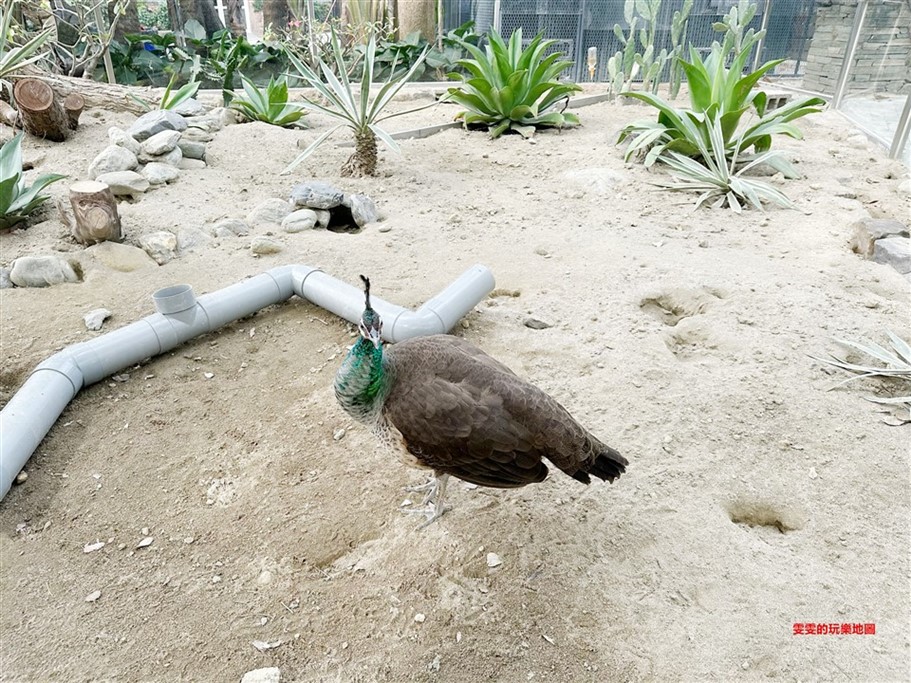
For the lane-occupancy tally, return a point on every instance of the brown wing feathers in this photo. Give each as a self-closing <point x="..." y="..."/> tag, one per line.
<point x="464" y="413"/>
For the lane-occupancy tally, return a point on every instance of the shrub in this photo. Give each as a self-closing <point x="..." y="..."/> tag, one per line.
<point x="269" y="104"/>
<point x="508" y="88"/>
<point x="18" y="200"/>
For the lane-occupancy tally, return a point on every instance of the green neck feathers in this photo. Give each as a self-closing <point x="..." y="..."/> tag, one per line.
<point x="361" y="383"/>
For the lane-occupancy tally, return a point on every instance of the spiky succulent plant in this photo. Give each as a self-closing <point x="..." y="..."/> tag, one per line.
<point x="18" y="200"/>
<point x="508" y="88"/>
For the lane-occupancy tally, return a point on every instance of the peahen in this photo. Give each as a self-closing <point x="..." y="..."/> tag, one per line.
<point x="443" y="404"/>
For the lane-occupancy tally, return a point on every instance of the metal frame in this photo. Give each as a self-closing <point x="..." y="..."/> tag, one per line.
<point x="859" y="16"/>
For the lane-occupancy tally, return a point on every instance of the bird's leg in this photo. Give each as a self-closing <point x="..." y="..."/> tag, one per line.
<point x="432" y="506"/>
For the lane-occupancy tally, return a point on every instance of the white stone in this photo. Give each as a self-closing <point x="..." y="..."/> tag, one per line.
<point x="234" y="226"/>
<point x="316" y="194"/>
<point x="112" y="158"/>
<point x="128" y="183"/>
<point x="41" y="271"/>
<point x="5" y="282"/>
<point x="95" y="319"/>
<point x="191" y="164"/>
<point x="895" y="252"/>
<point x="493" y="560"/>
<point x="192" y="238"/>
<point x="300" y="220"/>
<point x="269" y="213"/>
<point x="158" y="173"/>
<point x="161" y="143"/>
<point x="363" y="210"/>
<point x="121" y="138"/>
<point x="323" y="216"/>
<point x="120" y="257"/>
<point x="161" y="246"/>
<point x="264" y="245"/>
<point x="270" y="674"/>
<point x="156" y="121"/>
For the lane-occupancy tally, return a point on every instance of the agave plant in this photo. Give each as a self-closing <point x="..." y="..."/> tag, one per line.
<point x="360" y="111"/>
<point x="269" y="104"/>
<point x="897" y="365"/>
<point x="508" y="88"/>
<point x="719" y="90"/>
<point x="715" y="176"/>
<point x="12" y="57"/>
<point x="18" y="200"/>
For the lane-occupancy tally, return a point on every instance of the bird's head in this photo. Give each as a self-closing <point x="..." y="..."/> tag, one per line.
<point x="370" y="326"/>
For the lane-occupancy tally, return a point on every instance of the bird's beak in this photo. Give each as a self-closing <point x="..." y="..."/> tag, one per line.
<point x="376" y="337"/>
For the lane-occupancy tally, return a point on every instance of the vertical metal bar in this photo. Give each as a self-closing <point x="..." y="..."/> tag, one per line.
<point x="103" y="34"/>
<point x="496" y="16"/>
<point x="580" y="44"/>
<point x="859" y="16"/>
<point x="902" y="131"/>
<point x="761" y="44"/>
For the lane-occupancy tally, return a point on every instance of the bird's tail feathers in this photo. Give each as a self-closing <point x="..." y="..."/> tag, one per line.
<point x="607" y="465"/>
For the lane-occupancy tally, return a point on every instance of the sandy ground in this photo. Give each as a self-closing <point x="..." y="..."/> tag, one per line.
<point x="680" y="338"/>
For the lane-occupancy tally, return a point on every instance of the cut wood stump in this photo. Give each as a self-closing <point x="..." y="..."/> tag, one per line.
<point x="95" y="217"/>
<point x="73" y="106"/>
<point x="41" y="110"/>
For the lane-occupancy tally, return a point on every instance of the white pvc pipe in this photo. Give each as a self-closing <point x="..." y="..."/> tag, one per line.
<point x="32" y="411"/>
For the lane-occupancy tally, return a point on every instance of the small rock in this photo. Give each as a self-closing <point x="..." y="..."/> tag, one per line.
<point x="122" y="183"/>
<point x="493" y="560"/>
<point x="154" y="122"/>
<point x="420" y="618"/>
<point x="93" y="596"/>
<point x="536" y="324"/>
<point x="120" y="257"/>
<point x="270" y="674"/>
<point x="95" y="319"/>
<point x="121" y="138"/>
<point x="188" y="540"/>
<point x="895" y="252"/>
<point x="92" y="547"/>
<point x="363" y="210"/>
<point x="190" y="107"/>
<point x="384" y="228"/>
<point x="813" y="474"/>
<point x="5" y="282"/>
<point x="192" y="149"/>
<point x="189" y="239"/>
<point x="146" y="542"/>
<point x="158" y="173"/>
<point x="264" y="646"/>
<point x="323" y="216"/>
<point x="216" y="579"/>
<point x="208" y="375"/>
<point x="21" y="478"/>
<point x="197" y="135"/>
<point x="316" y="195"/>
<point x="868" y="230"/>
<point x="300" y="220"/>
<point x="161" y="143"/>
<point x="338" y="434"/>
<point x="263" y="246"/>
<point x="172" y="158"/>
<point x="161" y="246"/>
<point x="41" y="271"/>
<point x="111" y="159"/>
<point x="269" y="213"/>
<point x="191" y="164"/>
<point x="265" y="577"/>
<point x="231" y="227"/>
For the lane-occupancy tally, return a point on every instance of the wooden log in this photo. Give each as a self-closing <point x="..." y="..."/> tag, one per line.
<point x="73" y="106"/>
<point x="9" y="116"/>
<point x="41" y="110"/>
<point x="95" y="95"/>
<point x="95" y="216"/>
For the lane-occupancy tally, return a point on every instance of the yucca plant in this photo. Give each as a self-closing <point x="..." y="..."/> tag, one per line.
<point x="18" y="200"/>
<point x="360" y="111"/>
<point x="14" y="57"/>
<point x="170" y="98"/>
<point x="269" y="104"/>
<point x="897" y="365"/>
<point x="508" y="88"/>
<point x="715" y="176"/>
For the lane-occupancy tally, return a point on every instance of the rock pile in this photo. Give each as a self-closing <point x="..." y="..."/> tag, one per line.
<point x="885" y="241"/>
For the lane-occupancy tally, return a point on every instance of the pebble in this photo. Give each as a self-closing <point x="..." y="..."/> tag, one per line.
<point x="384" y="228"/>
<point x="21" y="477"/>
<point x="191" y="164"/>
<point x="208" y="375"/>
<point x="536" y="324"/>
<point x="95" y="319"/>
<point x="420" y="618"/>
<point x="146" y="542"/>
<point x="93" y="596"/>
<point x="269" y="674"/>
<point x="92" y="547"/>
<point x="493" y="560"/>
<point x="161" y="245"/>
<point x="813" y="474"/>
<point x="338" y="434"/>
<point x="188" y="540"/>
<point x="263" y="246"/>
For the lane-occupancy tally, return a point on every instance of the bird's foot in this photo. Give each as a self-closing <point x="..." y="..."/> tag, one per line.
<point x="430" y="511"/>
<point x="432" y="507"/>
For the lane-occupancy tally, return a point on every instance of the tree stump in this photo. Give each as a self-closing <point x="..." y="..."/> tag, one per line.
<point x="73" y="106"/>
<point x="41" y="110"/>
<point x="94" y="212"/>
